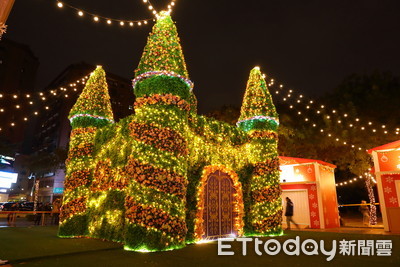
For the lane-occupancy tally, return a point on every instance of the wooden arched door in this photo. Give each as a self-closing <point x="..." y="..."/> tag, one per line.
<point x="218" y="212"/>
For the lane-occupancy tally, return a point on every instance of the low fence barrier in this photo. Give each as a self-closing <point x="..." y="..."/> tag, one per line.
<point x="12" y="219"/>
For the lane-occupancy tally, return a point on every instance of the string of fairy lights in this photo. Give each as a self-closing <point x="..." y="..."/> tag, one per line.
<point x="170" y="6"/>
<point x="352" y="123"/>
<point x="354" y="180"/>
<point x="323" y="110"/>
<point x="110" y="21"/>
<point x="39" y="100"/>
<point x="99" y="18"/>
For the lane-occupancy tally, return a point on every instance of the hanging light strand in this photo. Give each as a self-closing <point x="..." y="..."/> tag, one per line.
<point x="107" y="20"/>
<point x="366" y="177"/>
<point x="322" y="130"/>
<point x="43" y="94"/>
<point x="42" y="100"/>
<point x="289" y="98"/>
<point x="151" y="8"/>
<point x="323" y="109"/>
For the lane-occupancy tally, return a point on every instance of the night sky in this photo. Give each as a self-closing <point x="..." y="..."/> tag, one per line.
<point x="308" y="45"/>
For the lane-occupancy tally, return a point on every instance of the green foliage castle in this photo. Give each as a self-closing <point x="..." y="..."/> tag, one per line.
<point x="165" y="176"/>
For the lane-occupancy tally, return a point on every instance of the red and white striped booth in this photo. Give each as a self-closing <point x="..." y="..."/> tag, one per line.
<point x="310" y="184"/>
<point x="387" y="171"/>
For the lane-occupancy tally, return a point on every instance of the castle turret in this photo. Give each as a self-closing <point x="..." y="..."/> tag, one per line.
<point x="259" y="119"/>
<point x="91" y="111"/>
<point x="157" y="170"/>
<point x="258" y="111"/>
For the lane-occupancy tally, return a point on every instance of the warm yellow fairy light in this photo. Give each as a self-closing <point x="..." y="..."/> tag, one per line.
<point x="80" y="13"/>
<point x="108" y="21"/>
<point x="122" y="23"/>
<point x="60" y="5"/>
<point x="96" y="18"/>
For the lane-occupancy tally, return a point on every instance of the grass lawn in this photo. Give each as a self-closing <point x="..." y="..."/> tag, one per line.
<point x="39" y="246"/>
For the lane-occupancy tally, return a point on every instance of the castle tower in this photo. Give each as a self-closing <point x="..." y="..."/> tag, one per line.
<point x="258" y="117"/>
<point x="157" y="170"/>
<point x="91" y="111"/>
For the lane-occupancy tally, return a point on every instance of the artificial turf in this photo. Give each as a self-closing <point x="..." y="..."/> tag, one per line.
<point x="39" y="246"/>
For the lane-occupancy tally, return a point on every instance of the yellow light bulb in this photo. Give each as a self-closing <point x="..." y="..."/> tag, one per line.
<point x="60" y="5"/>
<point x="80" y="13"/>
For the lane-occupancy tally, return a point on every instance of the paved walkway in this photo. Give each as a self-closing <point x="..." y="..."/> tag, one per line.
<point x="39" y="246"/>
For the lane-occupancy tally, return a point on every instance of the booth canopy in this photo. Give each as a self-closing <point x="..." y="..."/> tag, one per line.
<point x="390" y="146"/>
<point x="293" y="161"/>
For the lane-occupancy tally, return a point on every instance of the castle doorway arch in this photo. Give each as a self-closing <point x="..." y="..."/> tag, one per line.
<point x="219" y="202"/>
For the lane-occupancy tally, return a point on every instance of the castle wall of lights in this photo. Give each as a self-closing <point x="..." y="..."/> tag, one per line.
<point x="150" y="180"/>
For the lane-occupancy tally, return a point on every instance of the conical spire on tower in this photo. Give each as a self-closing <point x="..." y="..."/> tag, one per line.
<point x="163" y="53"/>
<point x="257" y="107"/>
<point x="94" y="101"/>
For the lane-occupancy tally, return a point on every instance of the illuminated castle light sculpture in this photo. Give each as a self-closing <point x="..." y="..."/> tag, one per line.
<point x="165" y="176"/>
